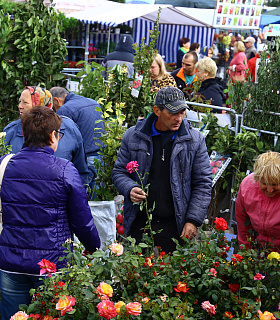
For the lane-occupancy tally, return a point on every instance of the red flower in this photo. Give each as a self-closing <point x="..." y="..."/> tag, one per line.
<point x="181" y="287"/>
<point x="132" y="166"/>
<point x="236" y="257"/>
<point x="228" y="315"/>
<point x="217" y="264"/>
<point x="233" y="287"/>
<point x="47" y="266"/>
<point x="220" y="224"/>
<point x="106" y="309"/>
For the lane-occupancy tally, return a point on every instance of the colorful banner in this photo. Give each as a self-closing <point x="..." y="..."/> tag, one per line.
<point x="238" y="14"/>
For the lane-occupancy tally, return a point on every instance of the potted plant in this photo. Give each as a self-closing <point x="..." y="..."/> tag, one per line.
<point x="73" y="29"/>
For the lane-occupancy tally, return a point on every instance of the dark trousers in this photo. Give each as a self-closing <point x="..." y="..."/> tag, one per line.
<point x="162" y="239"/>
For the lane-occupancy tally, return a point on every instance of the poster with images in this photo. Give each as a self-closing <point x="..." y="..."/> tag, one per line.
<point x="218" y="163"/>
<point x="238" y="14"/>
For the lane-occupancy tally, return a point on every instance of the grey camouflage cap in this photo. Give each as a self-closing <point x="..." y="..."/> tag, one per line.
<point x="172" y="99"/>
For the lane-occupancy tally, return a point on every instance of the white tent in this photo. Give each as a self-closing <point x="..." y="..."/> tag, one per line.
<point x="173" y="24"/>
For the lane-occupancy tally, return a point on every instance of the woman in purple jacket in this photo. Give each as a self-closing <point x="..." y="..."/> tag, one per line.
<point x="44" y="203"/>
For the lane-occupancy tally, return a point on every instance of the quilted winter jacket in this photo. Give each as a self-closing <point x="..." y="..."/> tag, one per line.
<point x="263" y="212"/>
<point x="190" y="171"/>
<point x="43" y="202"/>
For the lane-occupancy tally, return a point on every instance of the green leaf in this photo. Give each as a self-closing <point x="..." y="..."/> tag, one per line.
<point x="58" y="76"/>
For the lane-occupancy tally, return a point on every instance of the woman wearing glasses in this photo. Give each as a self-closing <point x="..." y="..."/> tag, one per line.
<point x="44" y="203"/>
<point x="71" y="146"/>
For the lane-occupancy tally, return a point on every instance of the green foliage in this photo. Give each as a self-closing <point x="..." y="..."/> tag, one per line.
<point x="238" y="93"/>
<point x="265" y="96"/>
<point x="118" y="88"/>
<point x="201" y="267"/>
<point x="3" y="148"/>
<point x="32" y="51"/>
<point x="111" y="139"/>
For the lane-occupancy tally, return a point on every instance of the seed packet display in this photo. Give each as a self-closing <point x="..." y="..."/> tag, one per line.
<point x="137" y="85"/>
<point x="220" y="9"/>
<point x="218" y="164"/>
<point x="218" y="20"/>
<point x="225" y="9"/>
<point x="224" y="21"/>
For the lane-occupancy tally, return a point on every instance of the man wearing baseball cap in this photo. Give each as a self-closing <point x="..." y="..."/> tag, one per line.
<point x="250" y="48"/>
<point x="174" y="154"/>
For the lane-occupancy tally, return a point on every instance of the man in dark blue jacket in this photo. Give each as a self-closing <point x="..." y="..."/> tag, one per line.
<point x="180" y="177"/>
<point x="82" y="111"/>
<point x="124" y="53"/>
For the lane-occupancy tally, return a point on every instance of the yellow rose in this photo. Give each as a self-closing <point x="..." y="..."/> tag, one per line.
<point x="274" y="255"/>
<point x="105" y="289"/>
<point x="118" y="306"/>
<point x="266" y="315"/>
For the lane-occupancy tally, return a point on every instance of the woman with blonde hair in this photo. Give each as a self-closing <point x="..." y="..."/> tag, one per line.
<point x="210" y="89"/>
<point x="238" y="64"/>
<point x="258" y="203"/>
<point x="159" y="76"/>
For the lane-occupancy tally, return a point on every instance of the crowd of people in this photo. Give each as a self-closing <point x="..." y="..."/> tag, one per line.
<point x="44" y="189"/>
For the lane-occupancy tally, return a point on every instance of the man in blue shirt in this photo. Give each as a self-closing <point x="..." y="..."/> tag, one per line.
<point x="82" y="111"/>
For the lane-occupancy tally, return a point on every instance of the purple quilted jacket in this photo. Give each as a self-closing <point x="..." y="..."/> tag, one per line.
<point x="44" y="203"/>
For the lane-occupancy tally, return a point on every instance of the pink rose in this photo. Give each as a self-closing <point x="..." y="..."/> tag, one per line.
<point x="47" y="266"/>
<point x="214" y="272"/>
<point x="209" y="308"/>
<point x="218" y="163"/>
<point x="106" y="309"/>
<point x="212" y="163"/>
<point x="259" y="276"/>
<point x="117" y="249"/>
<point x="132" y="166"/>
<point x="215" y="170"/>
<point x="21" y="315"/>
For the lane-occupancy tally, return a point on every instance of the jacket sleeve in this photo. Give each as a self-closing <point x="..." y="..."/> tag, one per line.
<point x="79" y="156"/>
<point x="80" y="217"/>
<point x="241" y="217"/>
<point x="201" y="185"/>
<point x="121" y="178"/>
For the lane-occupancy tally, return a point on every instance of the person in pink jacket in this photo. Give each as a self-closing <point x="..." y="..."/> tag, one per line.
<point x="258" y="199"/>
<point x="238" y="64"/>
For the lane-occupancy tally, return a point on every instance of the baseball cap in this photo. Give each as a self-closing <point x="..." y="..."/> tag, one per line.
<point x="171" y="98"/>
<point x="250" y="39"/>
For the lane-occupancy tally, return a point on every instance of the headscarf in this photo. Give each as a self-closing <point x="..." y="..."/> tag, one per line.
<point x="40" y="97"/>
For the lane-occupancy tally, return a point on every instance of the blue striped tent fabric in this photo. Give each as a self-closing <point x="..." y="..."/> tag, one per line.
<point x="169" y="36"/>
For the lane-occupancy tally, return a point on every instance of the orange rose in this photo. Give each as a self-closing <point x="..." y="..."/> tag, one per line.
<point x="181" y="287"/>
<point x="266" y="315"/>
<point x="65" y="304"/>
<point x="133" y="308"/>
<point x="118" y="306"/>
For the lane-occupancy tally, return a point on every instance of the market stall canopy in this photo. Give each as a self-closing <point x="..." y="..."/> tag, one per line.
<point x="207" y="4"/>
<point x="275" y="12"/>
<point x="113" y="13"/>
<point x="266" y="20"/>
<point x="205" y="15"/>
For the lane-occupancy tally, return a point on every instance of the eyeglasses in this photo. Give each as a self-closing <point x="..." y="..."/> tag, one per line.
<point x="61" y="134"/>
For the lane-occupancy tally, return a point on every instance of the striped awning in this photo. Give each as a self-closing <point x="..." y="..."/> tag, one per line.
<point x="114" y="13"/>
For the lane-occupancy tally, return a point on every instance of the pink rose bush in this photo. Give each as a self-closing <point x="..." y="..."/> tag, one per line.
<point x="209" y="308"/>
<point x="47" y="267"/>
<point x="107" y="309"/>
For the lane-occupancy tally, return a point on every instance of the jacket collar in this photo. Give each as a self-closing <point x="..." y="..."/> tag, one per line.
<point x="45" y="149"/>
<point x="145" y="127"/>
<point x="69" y="96"/>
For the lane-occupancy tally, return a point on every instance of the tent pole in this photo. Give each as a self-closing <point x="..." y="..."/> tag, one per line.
<point x="87" y="42"/>
<point x="109" y="37"/>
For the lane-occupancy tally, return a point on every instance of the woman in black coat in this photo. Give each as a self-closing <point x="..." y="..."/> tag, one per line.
<point x="210" y="88"/>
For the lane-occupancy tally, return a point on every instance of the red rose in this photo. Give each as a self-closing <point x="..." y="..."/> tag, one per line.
<point x="233" y="287"/>
<point x="220" y="224"/>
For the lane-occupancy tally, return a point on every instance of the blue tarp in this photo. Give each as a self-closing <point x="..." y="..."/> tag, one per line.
<point x="266" y="19"/>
